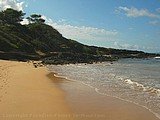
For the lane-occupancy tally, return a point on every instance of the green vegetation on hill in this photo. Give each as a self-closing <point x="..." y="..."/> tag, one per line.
<point x="38" y="40"/>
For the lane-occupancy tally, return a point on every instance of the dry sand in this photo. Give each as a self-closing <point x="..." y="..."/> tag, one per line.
<point x="27" y="93"/>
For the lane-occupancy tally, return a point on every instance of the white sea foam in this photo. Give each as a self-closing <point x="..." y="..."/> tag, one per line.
<point x="60" y="76"/>
<point x="156" y="114"/>
<point x="139" y="86"/>
<point x="158" y="57"/>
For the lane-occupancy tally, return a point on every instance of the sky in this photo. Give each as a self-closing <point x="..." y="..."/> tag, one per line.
<point x="122" y="24"/>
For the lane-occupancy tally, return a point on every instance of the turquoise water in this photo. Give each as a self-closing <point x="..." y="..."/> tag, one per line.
<point x="131" y="80"/>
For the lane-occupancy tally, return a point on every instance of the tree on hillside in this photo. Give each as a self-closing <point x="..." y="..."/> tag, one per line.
<point x="34" y="18"/>
<point x="11" y="16"/>
<point x="29" y="19"/>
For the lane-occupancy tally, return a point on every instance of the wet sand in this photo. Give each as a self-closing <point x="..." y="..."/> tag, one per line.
<point x="86" y="104"/>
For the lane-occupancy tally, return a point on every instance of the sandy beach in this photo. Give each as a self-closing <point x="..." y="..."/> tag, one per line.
<point x="30" y="93"/>
<point x="27" y="93"/>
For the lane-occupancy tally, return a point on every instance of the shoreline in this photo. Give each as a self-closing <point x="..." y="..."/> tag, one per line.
<point x="146" y="111"/>
<point x="35" y="93"/>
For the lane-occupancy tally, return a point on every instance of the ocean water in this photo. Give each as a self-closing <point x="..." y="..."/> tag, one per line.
<point x="131" y="80"/>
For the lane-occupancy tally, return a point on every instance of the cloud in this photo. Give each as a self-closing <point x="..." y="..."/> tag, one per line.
<point x="130" y="28"/>
<point x="135" y="47"/>
<point x="126" y="46"/>
<point x="15" y="4"/>
<point x="150" y="48"/>
<point x="158" y="10"/>
<point x="24" y="22"/>
<point x="82" y="32"/>
<point x="154" y="22"/>
<point x="134" y="12"/>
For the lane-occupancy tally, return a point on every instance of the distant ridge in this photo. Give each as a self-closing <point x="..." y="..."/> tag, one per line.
<point x="39" y="41"/>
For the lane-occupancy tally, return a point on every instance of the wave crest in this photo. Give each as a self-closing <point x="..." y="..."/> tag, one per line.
<point x="139" y="86"/>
